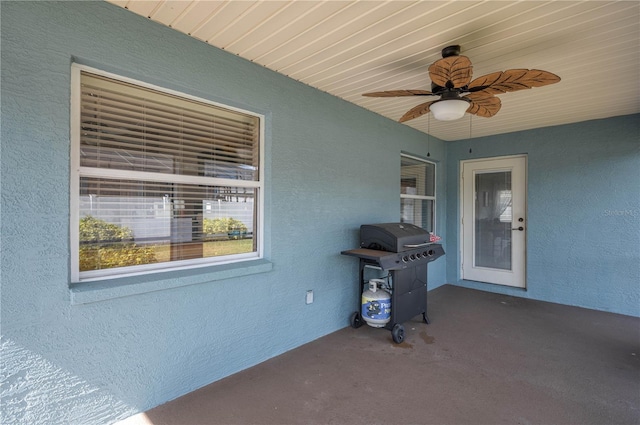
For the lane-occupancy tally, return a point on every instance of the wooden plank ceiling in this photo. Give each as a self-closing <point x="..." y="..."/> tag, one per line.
<point x="347" y="48"/>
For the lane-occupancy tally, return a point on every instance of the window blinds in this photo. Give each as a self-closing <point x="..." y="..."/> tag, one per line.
<point x="128" y="127"/>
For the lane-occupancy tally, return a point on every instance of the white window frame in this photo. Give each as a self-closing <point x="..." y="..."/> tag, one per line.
<point x="77" y="172"/>
<point x="422" y="197"/>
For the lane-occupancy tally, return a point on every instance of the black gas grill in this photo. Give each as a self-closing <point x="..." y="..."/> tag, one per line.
<point x="404" y="251"/>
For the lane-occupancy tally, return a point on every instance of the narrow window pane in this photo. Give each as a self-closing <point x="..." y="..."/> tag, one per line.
<point x="418" y="212"/>
<point x="417" y="192"/>
<point x="417" y="177"/>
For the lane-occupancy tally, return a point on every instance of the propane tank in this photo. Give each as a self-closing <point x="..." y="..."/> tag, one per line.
<point x="376" y="304"/>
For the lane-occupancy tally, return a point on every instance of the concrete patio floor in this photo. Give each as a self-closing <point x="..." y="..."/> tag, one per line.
<point x="484" y="359"/>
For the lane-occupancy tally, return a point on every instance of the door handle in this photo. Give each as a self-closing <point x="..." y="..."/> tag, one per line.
<point x="519" y="228"/>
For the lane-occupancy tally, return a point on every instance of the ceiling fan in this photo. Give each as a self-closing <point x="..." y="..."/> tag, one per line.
<point x="451" y="82"/>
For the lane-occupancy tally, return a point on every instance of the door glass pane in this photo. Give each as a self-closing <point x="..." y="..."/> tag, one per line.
<point x="493" y="220"/>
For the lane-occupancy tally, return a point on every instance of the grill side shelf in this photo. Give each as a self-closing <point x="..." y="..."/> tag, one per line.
<point x="386" y="260"/>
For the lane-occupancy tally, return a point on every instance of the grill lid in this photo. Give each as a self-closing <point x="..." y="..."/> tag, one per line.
<point x="393" y="237"/>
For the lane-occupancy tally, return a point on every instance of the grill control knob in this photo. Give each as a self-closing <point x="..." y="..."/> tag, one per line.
<point x="413" y="257"/>
<point x="405" y="259"/>
<point x="430" y="253"/>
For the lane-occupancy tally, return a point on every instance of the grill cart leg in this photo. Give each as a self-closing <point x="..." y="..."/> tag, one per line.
<point x="425" y="318"/>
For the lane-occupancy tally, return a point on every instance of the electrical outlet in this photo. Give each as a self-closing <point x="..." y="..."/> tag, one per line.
<point x="309" y="297"/>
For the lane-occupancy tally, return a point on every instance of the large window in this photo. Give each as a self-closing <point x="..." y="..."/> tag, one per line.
<point x="159" y="179"/>
<point x="418" y="192"/>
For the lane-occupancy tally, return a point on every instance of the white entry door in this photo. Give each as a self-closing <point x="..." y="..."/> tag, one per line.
<point x="494" y="221"/>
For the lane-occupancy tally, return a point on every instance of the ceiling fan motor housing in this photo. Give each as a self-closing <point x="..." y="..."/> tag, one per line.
<point x="451" y="51"/>
<point x="452" y="95"/>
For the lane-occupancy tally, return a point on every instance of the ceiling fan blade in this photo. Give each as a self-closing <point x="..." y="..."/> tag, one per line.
<point x="483" y="105"/>
<point x="416" y="111"/>
<point x="513" y="80"/>
<point x="398" y="93"/>
<point x="485" y="81"/>
<point x="456" y="69"/>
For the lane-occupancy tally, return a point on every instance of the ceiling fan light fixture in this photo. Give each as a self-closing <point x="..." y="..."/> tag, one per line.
<point x="449" y="110"/>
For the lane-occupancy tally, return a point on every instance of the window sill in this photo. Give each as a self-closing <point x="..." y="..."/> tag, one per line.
<point x="89" y="292"/>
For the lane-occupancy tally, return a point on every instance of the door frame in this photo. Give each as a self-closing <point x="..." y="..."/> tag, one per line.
<point x="461" y="215"/>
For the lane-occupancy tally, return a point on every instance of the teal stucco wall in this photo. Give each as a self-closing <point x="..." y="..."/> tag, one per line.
<point x="583" y="221"/>
<point x="101" y="353"/>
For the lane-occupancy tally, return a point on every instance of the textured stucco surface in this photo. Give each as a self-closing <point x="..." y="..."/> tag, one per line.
<point x="583" y="224"/>
<point x="70" y="358"/>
